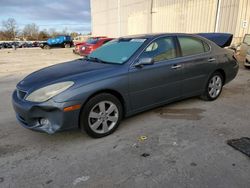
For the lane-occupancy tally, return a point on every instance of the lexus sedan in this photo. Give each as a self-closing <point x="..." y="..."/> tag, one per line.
<point x="125" y="76"/>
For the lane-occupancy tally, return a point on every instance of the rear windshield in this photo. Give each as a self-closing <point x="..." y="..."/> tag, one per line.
<point x="117" y="51"/>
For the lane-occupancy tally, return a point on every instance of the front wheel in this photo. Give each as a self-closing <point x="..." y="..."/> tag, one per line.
<point x="101" y="115"/>
<point x="213" y="87"/>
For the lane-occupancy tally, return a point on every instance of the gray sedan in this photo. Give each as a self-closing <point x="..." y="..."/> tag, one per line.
<point x="125" y="76"/>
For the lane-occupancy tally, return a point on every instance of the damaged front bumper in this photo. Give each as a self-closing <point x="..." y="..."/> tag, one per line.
<point x="48" y="117"/>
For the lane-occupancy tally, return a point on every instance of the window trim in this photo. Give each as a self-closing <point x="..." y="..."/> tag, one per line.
<point x="196" y="38"/>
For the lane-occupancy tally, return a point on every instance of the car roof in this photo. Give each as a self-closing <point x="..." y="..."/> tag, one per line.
<point x="106" y="38"/>
<point x="155" y="35"/>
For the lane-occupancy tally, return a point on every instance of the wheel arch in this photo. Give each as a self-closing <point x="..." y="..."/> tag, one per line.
<point x="222" y="72"/>
<point x="113" y="92"/>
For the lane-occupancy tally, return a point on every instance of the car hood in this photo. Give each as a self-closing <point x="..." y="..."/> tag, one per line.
<point x="79" y="71"/>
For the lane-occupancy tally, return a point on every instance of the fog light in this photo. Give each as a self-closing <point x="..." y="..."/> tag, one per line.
<point x="44" y="121"/>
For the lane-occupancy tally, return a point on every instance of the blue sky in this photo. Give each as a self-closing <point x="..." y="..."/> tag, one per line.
<point x="59" y="14"/>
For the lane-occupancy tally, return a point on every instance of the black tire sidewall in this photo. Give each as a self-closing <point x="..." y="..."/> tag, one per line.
<point x="46" y="47"/>
<point x="66" y="45"/>
<point x="84" y="124"/>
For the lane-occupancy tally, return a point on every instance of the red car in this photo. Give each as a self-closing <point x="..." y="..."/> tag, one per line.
<point x="78" y="46"/>
<point x="92" y="44"/>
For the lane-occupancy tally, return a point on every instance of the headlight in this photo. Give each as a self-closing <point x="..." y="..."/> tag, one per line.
<point x="46" y="93"/>
<point x="83" y="48"/>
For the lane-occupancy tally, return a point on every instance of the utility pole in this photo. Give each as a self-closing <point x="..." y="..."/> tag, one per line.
<point x="150" y="19"/>
<point x="119" y="17"/>
<point x="217" y="19"/>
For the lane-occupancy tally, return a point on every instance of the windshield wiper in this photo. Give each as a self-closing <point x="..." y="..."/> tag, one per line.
<point x="95" y="59"/>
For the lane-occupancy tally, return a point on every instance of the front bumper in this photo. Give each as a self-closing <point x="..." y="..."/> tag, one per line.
<point x="46" y="117"/>
<point x="84" y="52"/>
<point x="76" y="51"/>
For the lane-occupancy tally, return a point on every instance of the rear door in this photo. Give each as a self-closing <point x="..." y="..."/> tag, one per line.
<point x="160" y="82"/>
<point x="197" y="63"/>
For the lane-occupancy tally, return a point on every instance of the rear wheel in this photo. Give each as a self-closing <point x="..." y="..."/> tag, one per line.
<point x="66" y="45"/>
<point x="101" y="115"/>
<point x="213" y="87"/>
<point x="46" y="47"/>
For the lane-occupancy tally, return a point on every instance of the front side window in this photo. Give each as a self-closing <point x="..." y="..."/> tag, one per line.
<point x="117" y="51"/>
<point x="161" y="49"/>
<point x="191" y="46"/>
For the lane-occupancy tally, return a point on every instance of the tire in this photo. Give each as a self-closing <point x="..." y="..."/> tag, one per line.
<point x="213" y="87"/>
<point x="66" y="45"/>
<point x="46" y="47"/>
<point x="106" y="112"/>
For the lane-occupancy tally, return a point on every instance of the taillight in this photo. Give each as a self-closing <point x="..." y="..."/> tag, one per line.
<point x="235" y="59"/>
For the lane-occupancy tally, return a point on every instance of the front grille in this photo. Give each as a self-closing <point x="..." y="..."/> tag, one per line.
<point x="21" y="94"/>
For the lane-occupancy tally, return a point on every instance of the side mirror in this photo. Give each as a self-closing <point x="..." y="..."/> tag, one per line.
<point x="144" y="61"/>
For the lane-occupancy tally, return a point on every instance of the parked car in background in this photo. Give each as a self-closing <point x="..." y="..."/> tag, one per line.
<point x="20" y="44"/>
<point x="63" y="41"/>
<point x="6" y="45"/>
<point x="77" y="47"/>
<point x="80" y="39"/>
<point x="124" y="77"/>
<point x="92" y="44"/>
<point x="245" y="50"/>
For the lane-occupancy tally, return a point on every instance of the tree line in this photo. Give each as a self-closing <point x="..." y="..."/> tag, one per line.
<point x="30" y="32"/>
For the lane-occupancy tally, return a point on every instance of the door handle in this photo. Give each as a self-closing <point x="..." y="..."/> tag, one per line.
<point x="176" y="67"/>
<point x="211" y="59"/>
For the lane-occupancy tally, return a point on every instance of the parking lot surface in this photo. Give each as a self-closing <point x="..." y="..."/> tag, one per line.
<point x="184" y="143"/>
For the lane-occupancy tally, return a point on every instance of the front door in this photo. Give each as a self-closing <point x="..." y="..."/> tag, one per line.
<point x="160" y="82"/>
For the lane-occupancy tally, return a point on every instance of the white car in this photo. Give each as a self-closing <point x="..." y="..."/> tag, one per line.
<point x="245" y="50"/>
<point x="247" y="62"/>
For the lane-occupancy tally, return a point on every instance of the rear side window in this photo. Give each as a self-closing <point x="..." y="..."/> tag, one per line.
<point x="192" y="46"/>
<point x="161" y="49"/>
<point x="206" y="47"/>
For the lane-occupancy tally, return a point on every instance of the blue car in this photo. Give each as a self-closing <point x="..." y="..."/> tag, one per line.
<point x="126" y="76"/>
<point x="63" y="41"/>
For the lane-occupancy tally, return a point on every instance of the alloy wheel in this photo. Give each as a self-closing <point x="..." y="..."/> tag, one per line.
<point x="103" y="117"/>
<point x="215" y="86"/>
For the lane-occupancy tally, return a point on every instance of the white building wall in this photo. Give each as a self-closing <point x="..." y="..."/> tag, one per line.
<point x="116" y="18"/>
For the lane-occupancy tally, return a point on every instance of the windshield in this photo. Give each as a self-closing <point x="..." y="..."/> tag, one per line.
<point x="117" y="51"/>
<point x="92" y="40"/>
